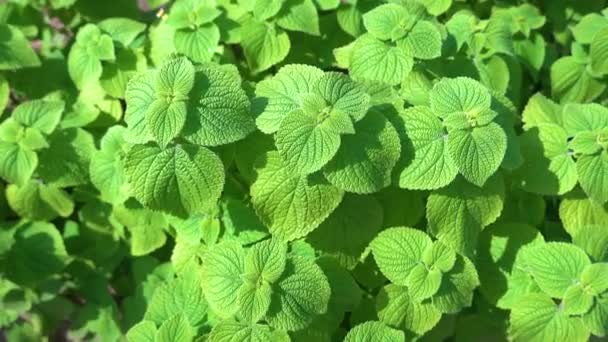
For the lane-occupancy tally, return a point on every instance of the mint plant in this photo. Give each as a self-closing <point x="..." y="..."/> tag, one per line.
<point x="303" y="170"/>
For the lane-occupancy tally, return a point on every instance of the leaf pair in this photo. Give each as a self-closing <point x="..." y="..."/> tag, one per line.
<point x="561" y="271"/>
<point x="23" y="134"/>
<point x="396" y="35"/>
<point x="427" y="278"/>
<point x="264" y="36"/>
<point x="456" y="134"/>
<point x="264" y="283"/>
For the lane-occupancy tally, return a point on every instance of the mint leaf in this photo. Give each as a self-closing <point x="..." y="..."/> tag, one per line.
<point x="555" y="266"/>
<point x="397" y="251"/>
<point x="365" y="160"/>
<point x="536" y="318"/>
<point x="375" y="60"/>
<point x="180" y="180"/>
<point x="283" y="93"/>
<point x="291" y="205"/>
<point x="373" y="331"/>
<point x="457" y="213"/>
<point x="221" y="276"/>
<point x="425" y="162"/>
<point x="397" y="309"/>
<point x="301" y="293"/>
<point x="16" y="50"/>
<point x="264" y="45"/>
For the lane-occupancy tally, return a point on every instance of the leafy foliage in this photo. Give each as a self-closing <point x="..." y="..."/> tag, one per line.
<point x="303" y="170"/>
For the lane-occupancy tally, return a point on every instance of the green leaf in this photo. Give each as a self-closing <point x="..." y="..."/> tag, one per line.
<point x="16" y="49"/>
<point x="349" y="229"/>
<point x="17" y="163"/>
<point x="38" y="253"/>
<point x="384" y="19"/>
<point x="595" y="319"/>
<point x="577" y="211"/>
<point x="122" y="30"/>
<point x="39" y="202"/>
<point x="139" y="95"/>
<point x="180" y="296"/>
<point x="537" y="318"/>
<point x="457" y="285"/>
<point x="84" y="59"/>
<point x="221" y="112"/>
<point x="144" y="331"/>
<point x="423" y="41"/>
<point x="478" y="152"/>
<point x="305" y="142"/>
<point x="73" y="146"/>
<point x="397" y="309"/>
<point x="571" y="82"/>
<point x="254" y="300"/>
<point x="398" y="250"/>
<point x="496" y="254"/>
<point x="584" y="117"/>
<point x="165" y="120"/>
<point x="549" y="168"/>
<point x="187" y="13"/>
<point x="299" y="295"/>
<point x="230" y="331"/>
<point x="291" y="205"/>
<point x="175" y="329"/>
<point x="283" y="92"/>
<point x="436" y="7"/>
<point x="373" y="331"/>
<point x="264" y="45"/>
<point x="425" y="163"/>
<point x="593" y="176"/>
<point x="423" y="283"/>
<point x="461" y="94"/>
<point x="221" y="276"/>
<point x="266" y="9"/>
<point x="584" y="31"/>
<point x="439" y="256"/>
<point x="266" y="261"/>
<point x="595" y="278"/>
<point x="365" y="160"/>
<point x="42" y="115"/>
<point x="375" y="60"/>
<point x="598" y="52"/>
<point x="180" y="180"/>
<point x="576" y="301"/>
<point x="555" y="266"/>
<point x="299" y="15"/>
<point x="456" y="214"/>
<point x="342" y="94"/>
<point x="198" y="43"/>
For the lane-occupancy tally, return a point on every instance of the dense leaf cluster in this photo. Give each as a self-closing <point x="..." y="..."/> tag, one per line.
<point x="303" y="170"/>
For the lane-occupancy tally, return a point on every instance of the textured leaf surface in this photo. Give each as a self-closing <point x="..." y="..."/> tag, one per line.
<point x="375" y="60"/>
<point x="478" y="153"/>
<point x="373" y="331"/>
<point x="537" y="318"/>
<point x="457" y="213"/>
<point x="397" y="251"/>
<point x="221" y="109"/>
<point x="365" y="160"/>
<point x="555" y="266"/>
<point x="221" y="276"/>
<point x="300" y="294"/>
<point x="281" y="94"/>
<point x="425" y="163"/>
<point x="181" y="180"/>
<point x="291" y="205"/>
